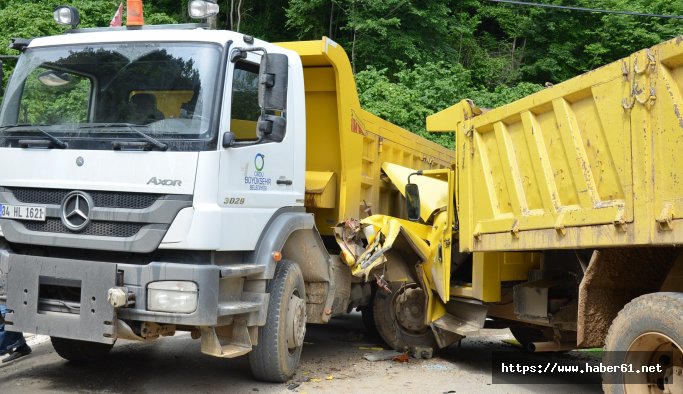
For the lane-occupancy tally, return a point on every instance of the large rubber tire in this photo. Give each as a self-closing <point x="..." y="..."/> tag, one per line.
<point x="368" y="315"/>
<point x="387" y="322"/>
<point x="271" y="360"/>
<point x="80" y="351"/>
<point x="649" y="324"/>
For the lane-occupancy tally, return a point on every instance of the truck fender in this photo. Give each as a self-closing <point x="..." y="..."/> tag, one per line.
<point x="280" y="227"/>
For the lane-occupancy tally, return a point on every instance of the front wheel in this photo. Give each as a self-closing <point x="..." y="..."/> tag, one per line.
<point x="400" y="317"/>
<point x="280" y="341"/>
<point x="648" y="331"/>
<point x="80" y="351"/>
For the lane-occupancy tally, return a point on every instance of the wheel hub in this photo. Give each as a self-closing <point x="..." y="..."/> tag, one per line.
<point x="651" y="349"/>
<point x="673" y="380"/>
<point x="296" y="322"/>
<point x="410" y="309"/>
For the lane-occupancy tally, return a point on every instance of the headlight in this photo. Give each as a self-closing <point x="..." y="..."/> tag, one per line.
<point x="172" y="296"/>
<point x="67" y="16"/>
<point x="202" y="9"/>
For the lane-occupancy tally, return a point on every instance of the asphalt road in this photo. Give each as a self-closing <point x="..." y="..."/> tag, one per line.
<point x="332" y="361"/>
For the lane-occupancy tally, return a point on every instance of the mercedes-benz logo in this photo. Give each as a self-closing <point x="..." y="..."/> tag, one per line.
<point x="76" y="210"/>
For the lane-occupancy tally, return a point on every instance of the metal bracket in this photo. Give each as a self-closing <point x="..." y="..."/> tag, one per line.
<point x="666" y="218"/>
<point x="240" y="343"/>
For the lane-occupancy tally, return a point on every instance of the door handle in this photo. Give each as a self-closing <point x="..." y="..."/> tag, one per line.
<point x="287" y="182"/>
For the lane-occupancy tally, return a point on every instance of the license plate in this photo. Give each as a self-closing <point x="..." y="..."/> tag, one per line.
<point x="22" y="212"/>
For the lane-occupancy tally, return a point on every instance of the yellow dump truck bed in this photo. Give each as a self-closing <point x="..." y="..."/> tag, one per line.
<point x="591" y="162"/>
<point x="346" y="145"/>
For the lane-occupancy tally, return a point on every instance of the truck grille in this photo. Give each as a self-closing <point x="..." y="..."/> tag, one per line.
<point x="101" y="199"/>
<point x="95" y="228"/>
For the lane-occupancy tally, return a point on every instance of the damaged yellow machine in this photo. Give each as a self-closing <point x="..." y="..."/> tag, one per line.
<point x="561" y="219"/>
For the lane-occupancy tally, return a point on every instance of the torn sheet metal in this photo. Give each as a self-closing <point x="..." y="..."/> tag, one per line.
<point x="365" y="242"/>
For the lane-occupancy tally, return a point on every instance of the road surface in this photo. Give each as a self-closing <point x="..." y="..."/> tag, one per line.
<point x="332" y="361"/>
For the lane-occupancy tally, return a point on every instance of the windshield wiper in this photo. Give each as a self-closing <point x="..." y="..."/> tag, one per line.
<point x="53" y="141"/>
<point x="132" y="127"/>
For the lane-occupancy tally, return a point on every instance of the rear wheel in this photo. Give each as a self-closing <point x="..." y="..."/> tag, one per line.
<point x="280" y="341"/>
<point x="400" y="317"/>
<point x="368" y="314"/>
<point x="80" y="351"/>
<point x="648" y="331"/>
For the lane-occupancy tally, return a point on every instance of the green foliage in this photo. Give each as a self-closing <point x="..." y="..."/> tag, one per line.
<point x="415" y="57"/>
<point x="23" y="19"/>
<point x="408" y="96"/>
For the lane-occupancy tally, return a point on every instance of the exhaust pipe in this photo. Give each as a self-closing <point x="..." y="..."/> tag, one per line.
<point x="537" y="347"/>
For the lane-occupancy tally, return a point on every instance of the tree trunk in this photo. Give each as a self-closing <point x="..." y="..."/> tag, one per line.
<point x="232" y="11"/>
<point x="239" y="15"/>
<point x="329" y="34"/>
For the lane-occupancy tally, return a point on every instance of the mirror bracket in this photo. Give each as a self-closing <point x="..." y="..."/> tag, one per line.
<point x="228" y="139"/>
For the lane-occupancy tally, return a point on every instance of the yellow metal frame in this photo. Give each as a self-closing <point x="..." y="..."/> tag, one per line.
<point x="352" y="143"/>
<point x="591" y="162"/>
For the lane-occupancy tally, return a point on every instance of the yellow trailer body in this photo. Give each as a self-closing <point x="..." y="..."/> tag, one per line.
<point x="591" y="162"/>
<point x="346" y="145"/>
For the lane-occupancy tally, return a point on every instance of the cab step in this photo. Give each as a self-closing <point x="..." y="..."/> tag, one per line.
<point x="241" y="270"/>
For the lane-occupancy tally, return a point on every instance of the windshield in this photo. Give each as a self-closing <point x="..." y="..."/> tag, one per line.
<point x="84" y="94"/>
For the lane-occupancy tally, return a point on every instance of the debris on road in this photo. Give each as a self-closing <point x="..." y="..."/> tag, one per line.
<point x="438" y="367"/>
<point x="422" y="352"/>
<point x="402" y="358"/>
<point x="370" y="348"/>
<point x="381" y="355"/>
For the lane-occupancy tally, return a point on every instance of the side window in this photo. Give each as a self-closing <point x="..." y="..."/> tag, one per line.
<point x="245" y="110"/>
<point x="55" y="97"/>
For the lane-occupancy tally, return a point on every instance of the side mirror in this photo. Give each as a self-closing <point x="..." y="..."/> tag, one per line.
<point x="273" y="76"/>
<point x="413" y="201"/>
<point x="228" y="139"/>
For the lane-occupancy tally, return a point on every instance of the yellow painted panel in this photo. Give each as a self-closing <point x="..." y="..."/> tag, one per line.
<point x="490" y="269"/>
<point x="344" y="139"/>
<point x="168" y="101"/>
<point x="243" y="129"/>
<point x="321" y="189"/>
<point x="559" y="162"/>
<point x="527" y="174"/>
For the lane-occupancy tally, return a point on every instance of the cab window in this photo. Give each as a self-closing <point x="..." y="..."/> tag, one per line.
<point x="245" y="109"/>
<point x="54" y="97"/>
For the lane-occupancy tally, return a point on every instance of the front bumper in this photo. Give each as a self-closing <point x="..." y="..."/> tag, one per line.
<point x="88" y="315"/>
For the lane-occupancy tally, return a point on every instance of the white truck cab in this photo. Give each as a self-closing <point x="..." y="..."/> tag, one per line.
<point x="152" y="148"/>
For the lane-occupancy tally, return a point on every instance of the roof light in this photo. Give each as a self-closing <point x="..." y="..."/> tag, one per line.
<point x="134" y="14"/>
<point x="67" y="16"/>
<point x="202" y="9"/>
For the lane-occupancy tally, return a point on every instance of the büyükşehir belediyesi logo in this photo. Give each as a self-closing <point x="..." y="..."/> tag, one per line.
<point x="259" y="161"/>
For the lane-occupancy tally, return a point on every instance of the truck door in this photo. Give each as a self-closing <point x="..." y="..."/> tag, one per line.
<point x="256" y="178"/>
